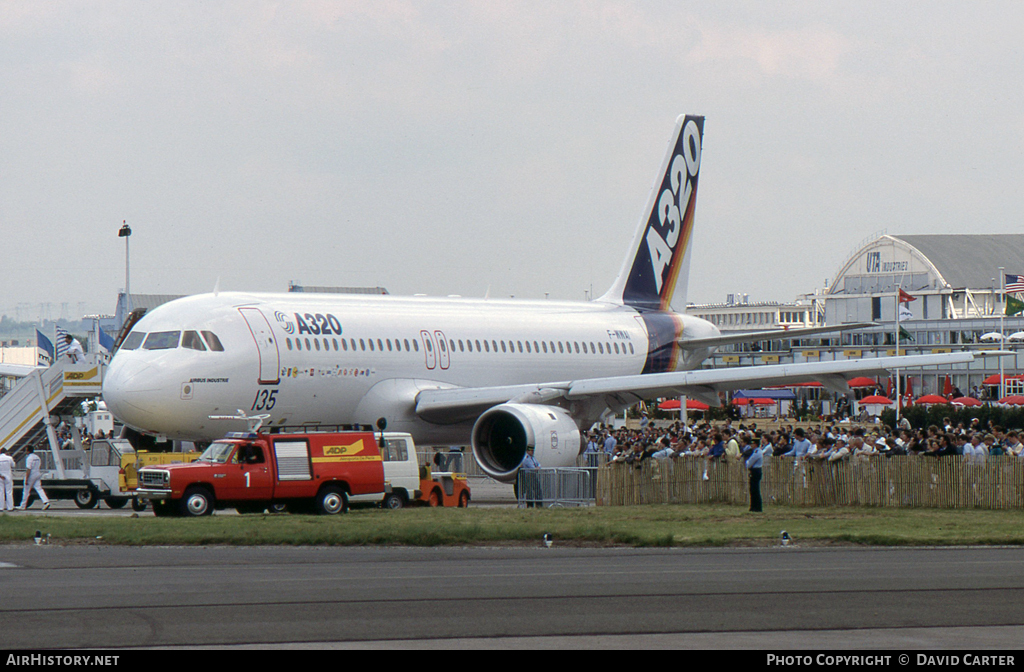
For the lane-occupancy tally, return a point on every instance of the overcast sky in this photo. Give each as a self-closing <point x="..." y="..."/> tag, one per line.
<point x="451" y="147"/>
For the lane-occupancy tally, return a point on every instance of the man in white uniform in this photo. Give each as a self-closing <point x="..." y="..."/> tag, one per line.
<point x="75" y="352"/>
<point x="33" y="480"/>
<point x="6" y="481"/>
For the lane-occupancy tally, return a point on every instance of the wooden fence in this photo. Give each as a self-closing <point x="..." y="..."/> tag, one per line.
<point x="902" y="481"/>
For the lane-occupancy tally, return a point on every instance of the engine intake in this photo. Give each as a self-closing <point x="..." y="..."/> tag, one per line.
<point x="502" y="434"/>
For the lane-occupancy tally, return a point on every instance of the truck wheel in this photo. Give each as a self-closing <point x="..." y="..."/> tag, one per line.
<point x="464" y="499"/>
<point x="278" y="507"/>
<point x="394" y="500"/>
<point x="435" y="498"/>
<point x="163" y="509"/>
<point x="196" y="502"/>
<point x="139" y="504"/>
<point x="331" y="501"/>
<point x="86" y="499"/>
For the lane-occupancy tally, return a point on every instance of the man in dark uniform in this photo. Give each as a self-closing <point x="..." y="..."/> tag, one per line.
<point x="754" y="464"/>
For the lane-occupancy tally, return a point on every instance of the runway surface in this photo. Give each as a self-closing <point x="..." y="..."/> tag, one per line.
<point x="102" y="596"/>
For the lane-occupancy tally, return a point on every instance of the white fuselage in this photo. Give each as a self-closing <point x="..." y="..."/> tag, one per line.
<point x="351" y="359"/>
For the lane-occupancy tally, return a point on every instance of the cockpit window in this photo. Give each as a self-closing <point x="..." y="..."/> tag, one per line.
<point x="162" y="340"/>
<point x="213" y="341"/>
<point x="192" y="341"/>
<point x="134" y="340"/>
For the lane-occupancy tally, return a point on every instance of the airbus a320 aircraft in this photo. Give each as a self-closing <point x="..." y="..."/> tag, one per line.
<point x="498" y="374"/>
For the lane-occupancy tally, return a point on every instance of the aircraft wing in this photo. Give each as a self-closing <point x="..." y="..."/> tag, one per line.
<point x="768" y="335"/>
<point x="463" y="403"/>
<point x="16" y="370"/>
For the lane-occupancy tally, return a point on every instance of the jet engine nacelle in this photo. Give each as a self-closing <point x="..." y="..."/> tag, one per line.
<point x="502" y="434"/>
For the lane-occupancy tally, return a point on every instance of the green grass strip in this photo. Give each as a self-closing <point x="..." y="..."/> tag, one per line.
<point x="666" y="525"/>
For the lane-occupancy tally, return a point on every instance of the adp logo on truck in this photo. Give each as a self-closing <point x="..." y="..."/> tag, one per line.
<point x="344" y="450"/>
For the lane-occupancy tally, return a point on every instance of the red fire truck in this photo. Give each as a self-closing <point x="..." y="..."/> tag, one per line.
<point x="251" y="471"/>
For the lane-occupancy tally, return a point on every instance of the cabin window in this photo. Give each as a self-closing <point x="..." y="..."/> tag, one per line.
<point x="631" y="349"/>
<point x="616" y="348"/>
<point x="545" y="347"/>
<point x="317" y="344"/>
<point x="344" y="345"/>
<point x="380" y="345"/>
<point x="362" y="345"/>
<point x="577" y="346"/>
<point x="478" y="346"/>
<point x="415" y="345"/>
<point x="134" y="340"/>
<point x="560" y="348"/>
<point x="461" y="349"/>
<point x="528" y="347"/>
<point x="406" y="345"/>
<point x="288" y="342"/>
<point x="389" y="344"/>
<point x="162" y="340"/>
<point x="370" y="341"/>
<point x="600" y="348"/>
<point x="335" y="341"/>
<point x="487" y="346"/>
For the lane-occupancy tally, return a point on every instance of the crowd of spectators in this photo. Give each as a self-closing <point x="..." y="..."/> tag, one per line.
<point x="825" y="442"/>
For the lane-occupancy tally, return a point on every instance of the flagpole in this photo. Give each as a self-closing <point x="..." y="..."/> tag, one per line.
<point x="1002" y="330"/>
<point x="898" y="397"/>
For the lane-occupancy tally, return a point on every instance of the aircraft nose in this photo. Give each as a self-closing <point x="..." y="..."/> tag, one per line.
<point x="130" y="390"/>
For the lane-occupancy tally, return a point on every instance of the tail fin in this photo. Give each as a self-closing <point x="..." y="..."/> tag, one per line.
<point x="661" y="248"/>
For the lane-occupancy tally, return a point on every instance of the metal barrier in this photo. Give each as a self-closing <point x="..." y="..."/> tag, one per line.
<point x="563" y="486"/>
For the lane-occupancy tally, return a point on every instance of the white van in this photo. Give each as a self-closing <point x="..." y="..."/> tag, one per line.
<point x="401" y="473"/>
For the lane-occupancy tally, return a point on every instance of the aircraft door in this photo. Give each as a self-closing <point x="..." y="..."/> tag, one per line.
<point x="266" y="345"/>
<point x="429" y="349"/>
<point x="442" y="349"/>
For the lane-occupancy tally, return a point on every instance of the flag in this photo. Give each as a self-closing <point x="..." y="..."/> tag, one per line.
<point x="62" y="341"/>
<point x="905" y="335"/>
<point x="1014" y="306"/>
<point x="905" y="312"/>
<point x="43" y="343"/>
<point x="106" y="341"/>
<point x="906" y="298"/>
<point x="1014" y="284"/>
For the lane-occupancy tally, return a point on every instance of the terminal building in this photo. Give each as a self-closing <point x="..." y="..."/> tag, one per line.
<point x="955" y="281"/>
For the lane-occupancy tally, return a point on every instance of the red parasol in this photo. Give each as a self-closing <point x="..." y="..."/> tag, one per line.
<point x="931" y="399"/>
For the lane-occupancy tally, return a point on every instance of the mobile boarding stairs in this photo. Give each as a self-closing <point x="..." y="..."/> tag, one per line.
<point x="29" y="414"/>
